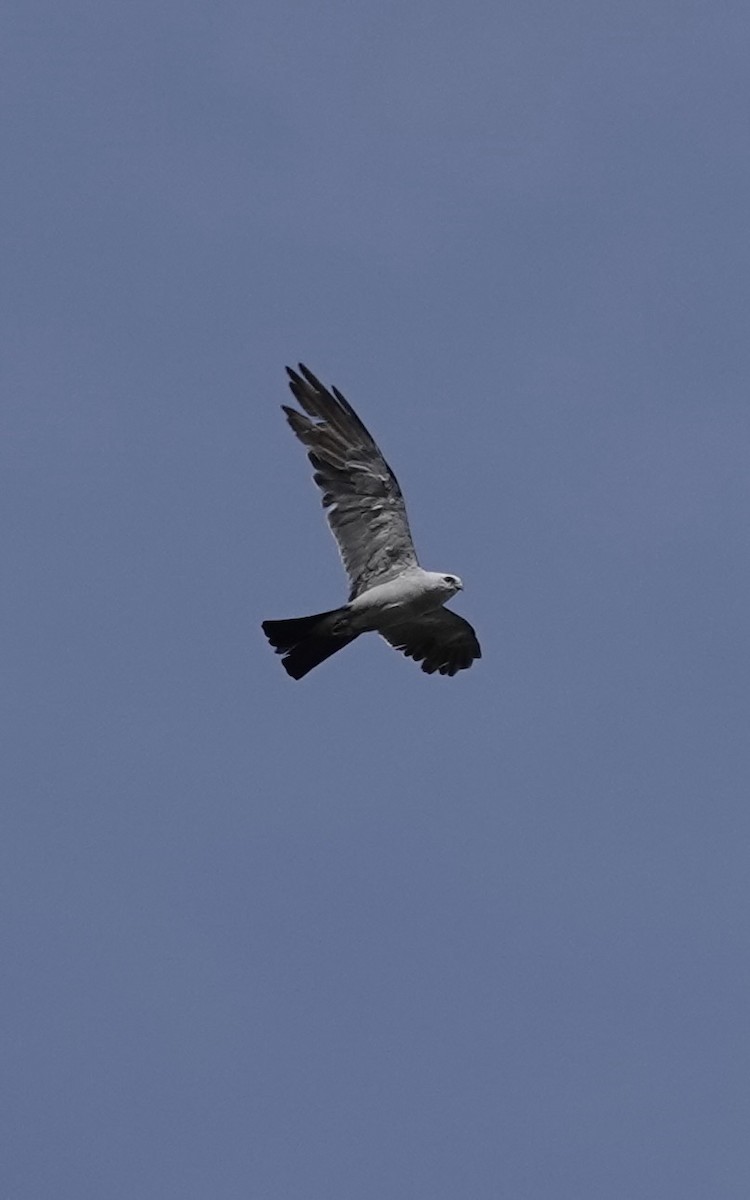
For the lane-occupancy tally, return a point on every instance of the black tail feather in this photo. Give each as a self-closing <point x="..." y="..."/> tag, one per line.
<point x="301" y="659"/>
<point x="305" y="641"/>
<point x="285" y="635"/>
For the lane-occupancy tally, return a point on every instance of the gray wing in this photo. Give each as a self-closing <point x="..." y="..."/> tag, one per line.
<point x="365" y="508"/>
<point x="441" y="640"/>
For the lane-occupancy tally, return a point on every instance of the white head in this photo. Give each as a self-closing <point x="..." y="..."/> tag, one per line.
<point x="449" y="584"/>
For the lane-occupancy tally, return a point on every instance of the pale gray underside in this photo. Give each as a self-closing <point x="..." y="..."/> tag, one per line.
<point x="361" y="495"/>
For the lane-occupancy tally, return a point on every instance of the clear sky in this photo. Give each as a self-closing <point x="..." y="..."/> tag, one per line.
<point x="375" y="935"/>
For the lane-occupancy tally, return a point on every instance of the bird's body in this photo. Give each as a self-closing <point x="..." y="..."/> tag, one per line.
<point x="414" y="593"/>
<point x="390" y="593"/>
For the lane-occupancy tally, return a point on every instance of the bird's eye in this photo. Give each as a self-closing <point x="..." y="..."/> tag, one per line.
<point x="449" y="579"/>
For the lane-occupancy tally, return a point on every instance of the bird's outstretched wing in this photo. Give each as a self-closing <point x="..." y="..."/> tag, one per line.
<point x="365" y="508"/>
<point x="441" y="640"/>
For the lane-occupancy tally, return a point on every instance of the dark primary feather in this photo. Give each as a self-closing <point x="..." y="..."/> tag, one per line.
<point x="441" y="640"/>
<point x="365" y="507"/>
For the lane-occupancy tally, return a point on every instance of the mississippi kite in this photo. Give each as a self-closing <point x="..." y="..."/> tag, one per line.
<point x="390" y="593"/>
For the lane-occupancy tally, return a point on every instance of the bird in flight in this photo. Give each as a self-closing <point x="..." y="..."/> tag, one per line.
<point x="390" y="593"/>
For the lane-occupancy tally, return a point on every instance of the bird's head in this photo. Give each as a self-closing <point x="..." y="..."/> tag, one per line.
<point x="451" y="584"/>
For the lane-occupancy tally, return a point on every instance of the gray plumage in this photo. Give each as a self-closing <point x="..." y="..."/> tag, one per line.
<point x="361" y="495"/>
<point x="389" y="593"/>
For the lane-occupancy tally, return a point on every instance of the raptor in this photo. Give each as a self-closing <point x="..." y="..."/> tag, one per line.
<point x="390" y="593"/>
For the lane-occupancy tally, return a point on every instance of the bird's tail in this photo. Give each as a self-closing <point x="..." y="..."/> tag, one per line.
<point x="307" y="641"/>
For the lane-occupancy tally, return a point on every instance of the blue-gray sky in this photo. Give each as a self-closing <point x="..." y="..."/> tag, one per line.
<point x="376" y="934"/>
